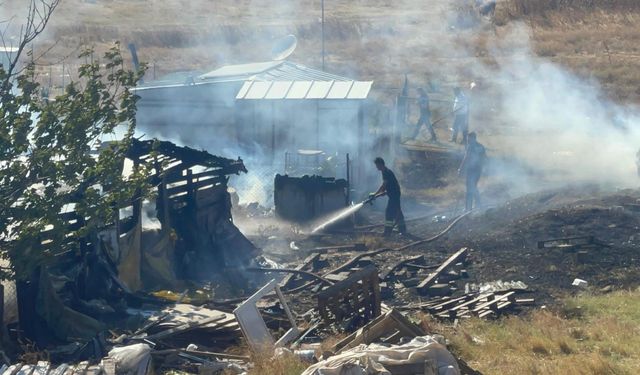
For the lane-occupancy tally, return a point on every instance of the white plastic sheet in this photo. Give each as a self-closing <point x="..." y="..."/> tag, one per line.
<point x="372" y="359"/>
<point x="132" y="359"/>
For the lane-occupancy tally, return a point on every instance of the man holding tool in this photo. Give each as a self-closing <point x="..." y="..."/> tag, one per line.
<point x="391" y="188"/>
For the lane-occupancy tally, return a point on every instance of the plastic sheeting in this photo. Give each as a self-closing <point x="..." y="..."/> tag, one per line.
<point x="132" y="360"/>
<point x="379" y="359"/>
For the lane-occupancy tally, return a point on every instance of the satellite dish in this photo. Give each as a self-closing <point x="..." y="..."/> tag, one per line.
<point x="284" y="47"/>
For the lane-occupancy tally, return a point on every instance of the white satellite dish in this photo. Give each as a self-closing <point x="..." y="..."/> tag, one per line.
<point x="284" y="47"/>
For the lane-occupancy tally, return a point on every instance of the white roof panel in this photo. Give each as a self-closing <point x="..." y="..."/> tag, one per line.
<point x="279" y="90"/>
<point x="319" y="89"/>
<point x="360" y="90"/>
<point x="299" y="89"/>
<point x="241" y="70"/>
<point x="244" y="89"/>
<point x="258" y="90"/>
<point x="339" y="90"/>
<point x="283" y="90"/>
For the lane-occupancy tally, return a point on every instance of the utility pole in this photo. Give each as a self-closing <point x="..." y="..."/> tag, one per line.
<point x="322" y="6"/>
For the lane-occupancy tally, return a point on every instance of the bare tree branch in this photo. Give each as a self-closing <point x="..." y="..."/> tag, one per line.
<point x="38" y="15"/>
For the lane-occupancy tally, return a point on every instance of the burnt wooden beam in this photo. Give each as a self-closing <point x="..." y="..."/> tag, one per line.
<point x="452" y="260"/>
<point x="306" y="265"/>
<point x="400" y="264"/>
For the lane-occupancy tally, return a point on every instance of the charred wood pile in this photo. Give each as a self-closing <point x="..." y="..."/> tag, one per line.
<point x="73" y="306"/>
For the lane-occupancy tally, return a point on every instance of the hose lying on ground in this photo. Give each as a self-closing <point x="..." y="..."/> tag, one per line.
<point x="353" y="260"/>
<point x="288" y="270"/>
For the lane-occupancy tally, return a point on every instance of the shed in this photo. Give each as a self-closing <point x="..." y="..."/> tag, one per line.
<point x="259" y="110"/>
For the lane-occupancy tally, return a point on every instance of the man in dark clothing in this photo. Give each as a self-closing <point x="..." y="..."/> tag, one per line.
<point x="390" y="187"/>
<point x="471" y="166"/>
<point x="425" y="115"/>
<point x="461" y="112"/>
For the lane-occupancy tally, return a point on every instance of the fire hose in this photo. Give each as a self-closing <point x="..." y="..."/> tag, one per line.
<point x="346" y="264"/>
<point x="384" y="250"/>
<point x="289" y="270"/>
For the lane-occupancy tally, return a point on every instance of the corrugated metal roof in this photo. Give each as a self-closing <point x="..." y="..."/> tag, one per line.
<point x="271" y="71"/>
<point x="360" y="90"/>
<point x="276" y="80"/>
<point x="298" y="90"/>
<point x="241" y="70"/>
<point x="304" y="90"/>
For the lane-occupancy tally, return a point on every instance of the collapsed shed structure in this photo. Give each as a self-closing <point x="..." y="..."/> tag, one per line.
<point x="196" y="240"/>
<point x="263" y="109"/>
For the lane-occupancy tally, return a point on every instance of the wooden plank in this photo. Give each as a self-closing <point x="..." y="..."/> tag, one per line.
<point x="525" y="301"/>
<point x="361" y="289"/>
<point x="386" y="275"/>
<point x="455" y="258"/>
<point x="494" y="301"/>
<point x="306" y="265"/>
<point x="388" y="324"/>
<point x="468" y="303"/>
<point x="566" y="242"/>
<point x="450" y="302"/>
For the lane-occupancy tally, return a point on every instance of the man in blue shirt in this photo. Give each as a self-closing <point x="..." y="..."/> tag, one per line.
<point x="461" y="112"/>
<point x="425" y="116"/>
<point x="471" y="167"/>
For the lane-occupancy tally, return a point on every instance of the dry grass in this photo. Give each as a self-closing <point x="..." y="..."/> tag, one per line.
<point x="287" y="364"/>
<point x="362" y="37"/>
<point x="525" y="8"/>
<point x="589" y="335"/>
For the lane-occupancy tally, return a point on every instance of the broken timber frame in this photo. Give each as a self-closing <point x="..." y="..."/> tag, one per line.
<point x="431" y="279"/>
<point x="359" y="294"/>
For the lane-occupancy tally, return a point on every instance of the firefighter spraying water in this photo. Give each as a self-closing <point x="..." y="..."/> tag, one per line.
<point x="393" y="213"/>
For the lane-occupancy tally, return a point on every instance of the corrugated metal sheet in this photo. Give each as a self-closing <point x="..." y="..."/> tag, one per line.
<point x="279" y="90"/>
<point x="241" y="70"/>
<point x="299" y="89"/>
<point x="340" y="90"/>
<point x="275" y="80"/>
<point x="270" y="71"/>
<point x="319" y="89"/>
<point x="304" y="90"/>
<point x="258" y="90"/>
<point x="360" y="90"/>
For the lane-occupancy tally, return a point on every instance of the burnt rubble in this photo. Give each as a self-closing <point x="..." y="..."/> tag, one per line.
<point x="78" y="298"/>
<point x="192" y="294"/>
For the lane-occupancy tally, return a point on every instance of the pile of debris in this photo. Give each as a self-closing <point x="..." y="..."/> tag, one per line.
<point x="117" y="306"/>
<point x="85" y="304"/>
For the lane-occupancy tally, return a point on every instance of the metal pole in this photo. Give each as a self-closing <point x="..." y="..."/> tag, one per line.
<point x="322" y="5"/>
<point x="348" y="180"/>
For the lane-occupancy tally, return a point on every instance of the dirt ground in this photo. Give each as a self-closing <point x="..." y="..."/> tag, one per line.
<point x="504" y="242"/>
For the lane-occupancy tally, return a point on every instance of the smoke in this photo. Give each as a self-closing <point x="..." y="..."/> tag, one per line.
<point x="543" y="125"/>
<point x="557" y="124"/>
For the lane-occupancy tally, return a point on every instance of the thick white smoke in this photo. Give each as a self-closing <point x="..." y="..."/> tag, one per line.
<point x="558" y="123"/>
<point x="544" y="124"/>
